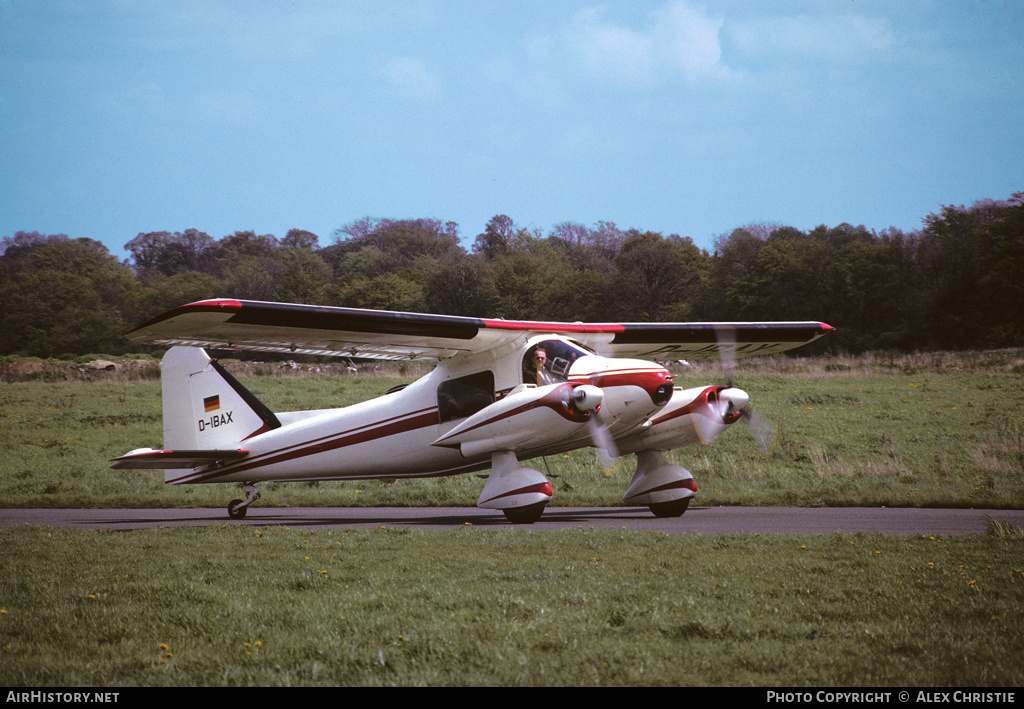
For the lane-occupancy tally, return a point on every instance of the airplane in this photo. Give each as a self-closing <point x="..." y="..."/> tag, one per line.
<point x="484" y="404"/>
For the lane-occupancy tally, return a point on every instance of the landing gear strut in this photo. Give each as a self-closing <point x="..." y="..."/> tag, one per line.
<point x="520" y="493"/>
<point x="664" y="487"/>
<point x="237" y="508"/>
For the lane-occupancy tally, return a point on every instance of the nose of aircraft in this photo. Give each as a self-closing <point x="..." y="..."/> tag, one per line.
<point x="652" y="378"/>
<point x="662" y="393"/>
<point x="625" y="374"/>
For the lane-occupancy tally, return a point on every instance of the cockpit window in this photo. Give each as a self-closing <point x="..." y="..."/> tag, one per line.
<point x="549" y="361"/>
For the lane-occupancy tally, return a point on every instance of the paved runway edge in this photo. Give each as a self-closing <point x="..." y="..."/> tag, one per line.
<point x="716" y="520"/>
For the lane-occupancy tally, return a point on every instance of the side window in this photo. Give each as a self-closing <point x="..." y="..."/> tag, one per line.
<point x="462" y="397"/>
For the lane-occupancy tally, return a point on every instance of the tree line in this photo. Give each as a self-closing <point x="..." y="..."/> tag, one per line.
<point x="956" y="283"/>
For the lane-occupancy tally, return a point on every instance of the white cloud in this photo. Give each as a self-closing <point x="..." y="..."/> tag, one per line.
<point x="835" y="39"/>
<point x="687" y="39"/>
<point x="412" y="77"/>
<point x="608" y="49"/>
<point x="678" y="40"/>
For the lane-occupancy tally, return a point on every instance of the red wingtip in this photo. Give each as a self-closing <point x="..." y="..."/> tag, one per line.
<point x="212" y="305"/>
<point x="230" y="303"/>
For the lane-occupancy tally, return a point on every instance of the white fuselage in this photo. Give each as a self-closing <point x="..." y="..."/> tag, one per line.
<point x="397" y="435"/>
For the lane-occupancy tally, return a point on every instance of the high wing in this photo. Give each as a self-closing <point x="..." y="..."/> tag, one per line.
<point x="377" y="334"/>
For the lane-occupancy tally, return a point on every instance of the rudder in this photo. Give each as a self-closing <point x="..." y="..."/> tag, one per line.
<point x="204" y="406"/>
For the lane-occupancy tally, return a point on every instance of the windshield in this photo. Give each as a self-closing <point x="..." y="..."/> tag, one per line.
<point x="549" y="361"/>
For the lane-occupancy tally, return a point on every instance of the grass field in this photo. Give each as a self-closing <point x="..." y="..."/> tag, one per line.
<point x="237" y="605"/>
<point x="244" y="606"/>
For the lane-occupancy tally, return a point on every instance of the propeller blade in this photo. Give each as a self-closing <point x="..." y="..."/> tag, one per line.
<point x="607" y="452"/>
<point x="726" y="337"/>
<point x="762" y="430"/>
<point x="588" y="398"/>
<point x="760" y="427"/>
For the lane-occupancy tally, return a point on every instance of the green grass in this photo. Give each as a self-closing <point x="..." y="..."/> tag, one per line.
<point x="237" y="605"/>
<point x="242" y="606"/>
<point x="871" y="435"/>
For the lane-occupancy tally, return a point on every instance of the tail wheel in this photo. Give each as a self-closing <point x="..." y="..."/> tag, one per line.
<point x="525" y="515"/>
<point x="237" y="508"/>
<point x="675" y="508"/>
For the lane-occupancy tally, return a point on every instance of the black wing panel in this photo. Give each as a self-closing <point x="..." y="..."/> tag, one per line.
<point x="378" y="334"/>
<point x="667" y="341"/>
<point x="310" y="329"/>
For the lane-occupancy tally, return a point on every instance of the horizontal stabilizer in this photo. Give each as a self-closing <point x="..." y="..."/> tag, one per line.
<point x="149" y="458"/>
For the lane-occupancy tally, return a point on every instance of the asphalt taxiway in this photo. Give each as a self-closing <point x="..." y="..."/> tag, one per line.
<point x="715" y="520"/>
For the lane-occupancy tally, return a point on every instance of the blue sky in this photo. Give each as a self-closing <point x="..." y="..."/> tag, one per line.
<point x="126" y="116"/>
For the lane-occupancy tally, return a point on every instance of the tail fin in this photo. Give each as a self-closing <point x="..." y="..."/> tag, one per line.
<point x="205" y="408"/>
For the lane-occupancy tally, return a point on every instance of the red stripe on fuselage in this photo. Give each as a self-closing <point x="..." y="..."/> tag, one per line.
<point x="360" y="434"/>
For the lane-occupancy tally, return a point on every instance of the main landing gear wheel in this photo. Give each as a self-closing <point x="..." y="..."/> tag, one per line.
<point x="236" y="510"/>
<point x="525" y="515"/>
<point x="675" y="508"/>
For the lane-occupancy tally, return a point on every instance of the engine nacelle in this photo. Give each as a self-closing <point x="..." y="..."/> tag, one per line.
<point x="529" y="415"/>
<point x="693" y="416"/>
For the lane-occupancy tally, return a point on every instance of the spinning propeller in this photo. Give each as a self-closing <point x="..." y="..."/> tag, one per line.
<point x="587" y="397"/>
<point x="732" y="399"/>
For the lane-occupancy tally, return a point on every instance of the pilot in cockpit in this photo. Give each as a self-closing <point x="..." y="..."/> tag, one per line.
<point x="534" y="371"/>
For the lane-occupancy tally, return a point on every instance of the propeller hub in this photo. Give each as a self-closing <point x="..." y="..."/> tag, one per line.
<point x="734" y="400"/>
<point x="587" y="398"/>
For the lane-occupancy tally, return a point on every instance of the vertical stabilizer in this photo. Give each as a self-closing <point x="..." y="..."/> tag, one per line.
<point x="205" y="407"/>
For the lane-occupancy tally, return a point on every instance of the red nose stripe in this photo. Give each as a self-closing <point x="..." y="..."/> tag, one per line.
<point x="647" y="379"/>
